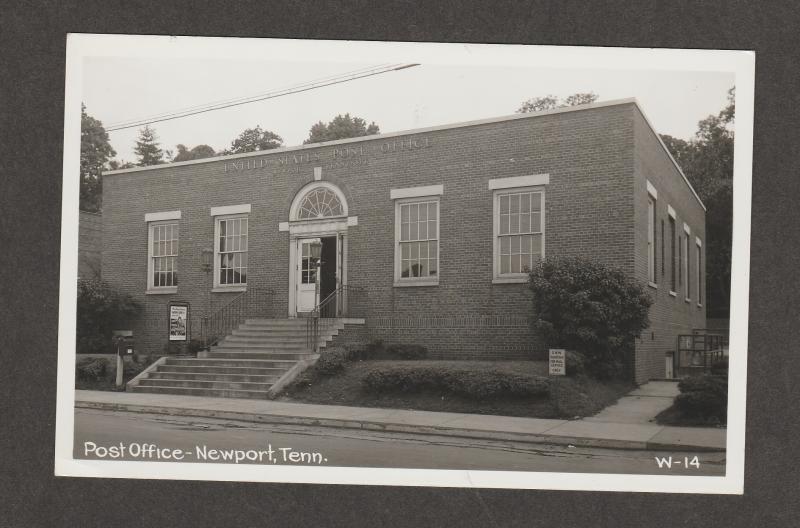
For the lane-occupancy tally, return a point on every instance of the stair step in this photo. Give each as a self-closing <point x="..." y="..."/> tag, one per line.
<point x="213" y="393"/>
<point x="277" y="367"/>
<point x="280" y="334"/>
<point x="237" y="355"/>
<point x="212" y="376"/>
<point x="213" y="362"/>
<point x="195" y="384"/>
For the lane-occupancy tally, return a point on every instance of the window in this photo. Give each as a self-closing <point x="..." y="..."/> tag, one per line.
<point x="230" y="251"/>
<point x="163" y="256"/>
<point x="417" y="249"/>
<point x="699" y="272"/>
<point x="663" y="265"/>
<point x="673" y="254"/>
<point x="687" y="280"/>
<point x="320" y="203"/>
<point x="519" y="232"/>
<point x="651" y="239"/>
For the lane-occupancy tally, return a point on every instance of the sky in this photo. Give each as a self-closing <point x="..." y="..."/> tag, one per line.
<point x="121" y="88"/>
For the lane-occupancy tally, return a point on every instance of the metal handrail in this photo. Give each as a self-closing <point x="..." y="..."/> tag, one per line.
<point x="336" y="304"/>
<point x="250" y="303"/>
<point x="700" y="349"/>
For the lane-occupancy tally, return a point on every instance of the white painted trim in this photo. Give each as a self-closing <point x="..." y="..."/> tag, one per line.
<point x="229" y="289"/>
<point x="653" y="285"/>
<point x="162" y="290"/>
<point x="283" y="226"/>
<point x="687" y="229"/>
<point x="671" y="211"/>
<point x="416" y="192"/>
<point x="216" y="284"/>
<point x="230" y="209"/>
<point x="352" y="221"/>
<point x="651" y="189"/>
<point x="317" y="228"/>
<point x="415" y="282"/>
<point x="378" y="137"/>
<point x="298" y="198"/>
<point x="673" y="293"/>
<point x="698" y="242"/>
<point x="165" y="215"/>
<point x="317" y="173"/>
<point x="519" y="181"/>
<point x="150" y="288"/>
<point x="509" y="278"/>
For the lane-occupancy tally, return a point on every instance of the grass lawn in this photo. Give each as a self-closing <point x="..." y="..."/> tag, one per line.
<point x="569" y="397"/>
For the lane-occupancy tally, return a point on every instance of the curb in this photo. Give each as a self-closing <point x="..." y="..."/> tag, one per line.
<point x="367" y="425"/>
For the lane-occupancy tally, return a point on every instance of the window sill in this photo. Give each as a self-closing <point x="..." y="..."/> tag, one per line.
<point x="510" y="280"/>
<point x="162" y="291"/>
<point x="653" y="285"/>
<point x="228" y="289"/>
<point x="688" y="300"/>
<point x="699" y="305"/>
<point x="406" y="284"/>
<point x="673" y="293"/>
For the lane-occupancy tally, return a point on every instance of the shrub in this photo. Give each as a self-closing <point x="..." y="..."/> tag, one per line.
<point x="100" y="310"/>
<point x="470" y="383"/>
<point x="92" y="369"/>
<point x="582" y="305"/>
<point x="406" y="351"/>
<point x="704" y="397"/>
<point x="332" y="361"/>
<point x="575" y="363"/>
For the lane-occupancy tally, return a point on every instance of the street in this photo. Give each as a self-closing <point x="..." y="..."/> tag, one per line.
<point x="98" y="433"/>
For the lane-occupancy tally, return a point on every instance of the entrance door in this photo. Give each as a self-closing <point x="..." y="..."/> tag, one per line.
<point x="307" y="272"/>
<point x="306" y="276"/>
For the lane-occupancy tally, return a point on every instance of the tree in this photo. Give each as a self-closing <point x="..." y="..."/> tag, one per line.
<point x="551" y="102"/>
<point x="147" y="148"/>
<point x="341" y="127"/>
<point x="707" y="161"/>
<point x="598" y="311"/>
<point x="100" y="310"/>
<point x="198" y="152"/>
<point x="96" y="154"/>
<point x="254" y="139"/>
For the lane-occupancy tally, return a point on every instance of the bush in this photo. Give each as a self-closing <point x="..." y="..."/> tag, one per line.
<point x="100" y="310"/>
<point x="476" y="384"/>
<point x="582" y="305"/>
<point x="704" y="397"/>
<point x="92" y="369"/>
<point x="332" y="361"/>
<point x="575" y="363"/>
<point x="406" y="351"/>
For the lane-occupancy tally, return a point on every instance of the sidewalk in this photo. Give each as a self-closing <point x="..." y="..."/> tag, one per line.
<point x="622" y="426"/>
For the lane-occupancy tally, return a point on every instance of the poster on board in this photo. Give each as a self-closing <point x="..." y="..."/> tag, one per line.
<point x="178" y="322"/>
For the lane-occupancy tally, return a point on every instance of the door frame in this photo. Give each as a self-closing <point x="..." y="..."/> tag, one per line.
<point x="316" y="229"/>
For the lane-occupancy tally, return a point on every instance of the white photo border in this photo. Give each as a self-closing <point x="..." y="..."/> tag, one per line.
<point x="739" y="63"/>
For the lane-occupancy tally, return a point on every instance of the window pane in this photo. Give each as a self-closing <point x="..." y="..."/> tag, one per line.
<point x="414" y="212"/>
<point x="404" y="251"/>
<point x="505" y="264"/>
<point x="525" y="223"/>
<point x="404" y="213"/>
<point x="525" y="263"/>
<point x="404" y="269"/>
<point x="514" y="228"/>
<point x="536" y="201"/>
<point x="423" y="268"/>
<point x="505" y="246"/>
<point x="432" y="229"/>
<point x="423" y="213"/>
<point x="423" y="230"/>
<point x="222" y="228"/>
<point x="536" y="222"/>
<point x="537" y="244"/>
<point x="403" y="231"/>
<point x="504" y="204"/>
<point x="414" y="251"/>
<point x="515" y="264"/>
<point x="432" y="207"/>
<point x="525" y="203"/>
<point x="514" y="245"/>
<point x="433" y="265"/>
<point x="413" y="232"/>
<point x="432" y="249"/>
<point x="504" y="222"/>
<point x="514" y="203"/>
<point x="423" y="251"/>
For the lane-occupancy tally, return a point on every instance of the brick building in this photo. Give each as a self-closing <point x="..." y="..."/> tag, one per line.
<point x="428" y="231"/>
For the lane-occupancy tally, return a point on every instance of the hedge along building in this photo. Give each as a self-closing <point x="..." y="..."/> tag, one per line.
<point x="425" y="234"/>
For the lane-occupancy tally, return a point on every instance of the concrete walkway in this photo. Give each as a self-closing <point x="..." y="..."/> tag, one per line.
<point x="624" y="425"/>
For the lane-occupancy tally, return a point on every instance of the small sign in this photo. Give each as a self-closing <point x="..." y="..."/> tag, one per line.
<point x="558" y="362"/>
<point x="178" y="322"/>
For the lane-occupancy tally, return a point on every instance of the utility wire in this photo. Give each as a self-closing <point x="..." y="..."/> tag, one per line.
<point x="312" y="85"/>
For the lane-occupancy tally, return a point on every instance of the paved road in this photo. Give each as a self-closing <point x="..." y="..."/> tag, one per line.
<point x="197" y="437"/>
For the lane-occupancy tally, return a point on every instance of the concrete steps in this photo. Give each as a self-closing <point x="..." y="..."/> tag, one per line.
<point x="245" y="364"/>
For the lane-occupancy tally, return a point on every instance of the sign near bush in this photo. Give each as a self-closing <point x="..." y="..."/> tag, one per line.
<point x="558" y="362"/>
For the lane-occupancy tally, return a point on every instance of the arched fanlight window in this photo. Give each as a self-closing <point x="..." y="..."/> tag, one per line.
<point x="320" y="203"/>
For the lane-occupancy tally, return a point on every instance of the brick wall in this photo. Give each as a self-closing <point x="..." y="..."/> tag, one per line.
<point x="589" y="211"/>
<point x="670" y="315"/>
<point x="90" y="242"/>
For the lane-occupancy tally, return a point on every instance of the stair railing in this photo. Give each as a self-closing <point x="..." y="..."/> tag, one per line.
<point x="699" y="349"/>
<point x="339" y="303"/>
<point x="253" y="302"/>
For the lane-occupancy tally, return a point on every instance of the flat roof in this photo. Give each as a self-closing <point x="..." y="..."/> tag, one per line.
<point x="376" y="137"/>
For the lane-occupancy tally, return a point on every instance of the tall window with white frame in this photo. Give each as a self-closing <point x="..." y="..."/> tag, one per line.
<point x="418" y="240"/>
<point x="651" y="239"/>
<point x="699" y="272"/>
<point x="673" y="254"/>
<point x="230" y="249"/>
<point x="687" y="289"/>
<point x="163" y="258"/>
<point x="519" y="232"/>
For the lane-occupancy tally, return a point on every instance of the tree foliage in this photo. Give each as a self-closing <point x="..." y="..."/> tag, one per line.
<point x="101" y="309"/>
<point x="587" y="307"/>
<point x="147" y="148"/>
<point x="707" y="161"/>
<point x="198" y="152"/>
<point x="254" y="139"/>
<point x="551" y="102"/>
<point x="96" y="154"/>
<point x="341" y="127"/>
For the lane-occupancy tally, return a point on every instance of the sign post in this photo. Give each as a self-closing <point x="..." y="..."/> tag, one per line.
<point x="558" y="362"/>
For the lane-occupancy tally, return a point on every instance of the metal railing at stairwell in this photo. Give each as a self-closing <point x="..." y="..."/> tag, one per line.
<point x="251" y="303"/>
<point x="345" y="301"/>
